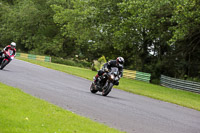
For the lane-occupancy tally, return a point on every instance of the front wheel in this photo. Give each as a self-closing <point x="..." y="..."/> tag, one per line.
<point x="4" y="63"/>
<point x="107" y="90"/>
<point x="92" y="88"/>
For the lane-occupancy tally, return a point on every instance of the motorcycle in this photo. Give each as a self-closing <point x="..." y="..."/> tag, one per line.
<point x="106" y="82"/>
<point x="6" y="57"/>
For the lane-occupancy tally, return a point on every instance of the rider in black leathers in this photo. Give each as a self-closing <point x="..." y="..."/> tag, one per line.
<point x="113" y="63"/>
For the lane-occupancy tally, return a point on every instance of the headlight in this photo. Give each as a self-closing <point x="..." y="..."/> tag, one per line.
<point x="112" y="77"/>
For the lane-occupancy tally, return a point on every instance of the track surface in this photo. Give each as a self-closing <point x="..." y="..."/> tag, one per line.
<point x="124" y="111"/>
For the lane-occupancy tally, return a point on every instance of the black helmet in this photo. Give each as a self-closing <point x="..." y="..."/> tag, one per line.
<point x="120" y="61"/>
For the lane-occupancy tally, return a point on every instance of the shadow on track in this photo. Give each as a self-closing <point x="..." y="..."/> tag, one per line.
<point x="5" y="70"/>
<point x="99" y="94"/>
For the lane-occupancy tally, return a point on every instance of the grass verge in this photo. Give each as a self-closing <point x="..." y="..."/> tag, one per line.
<point x="22" y="113"/>
<point x="180" y="97"/>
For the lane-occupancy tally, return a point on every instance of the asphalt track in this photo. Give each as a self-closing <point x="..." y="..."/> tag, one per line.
<point x="122" y="110"/>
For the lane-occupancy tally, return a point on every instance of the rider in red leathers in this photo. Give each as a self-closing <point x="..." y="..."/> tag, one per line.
<point x="11" y="47"/>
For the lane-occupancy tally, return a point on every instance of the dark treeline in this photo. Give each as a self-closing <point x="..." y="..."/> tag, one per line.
<point x="154" y="36"/>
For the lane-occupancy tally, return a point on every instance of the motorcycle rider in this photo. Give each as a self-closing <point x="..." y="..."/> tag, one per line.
<point x="107" y="66"/>
<point x="11" y="47"/>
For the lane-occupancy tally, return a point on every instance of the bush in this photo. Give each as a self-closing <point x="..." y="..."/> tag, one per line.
<point x="72" y="62"/>
<point x="98" y="63"/>
<point x="155" y="81"/>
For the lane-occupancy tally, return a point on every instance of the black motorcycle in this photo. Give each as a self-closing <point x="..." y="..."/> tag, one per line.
<point x="106" y="81"/>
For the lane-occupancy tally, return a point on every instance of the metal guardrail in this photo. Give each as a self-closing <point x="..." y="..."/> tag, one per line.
<point x="180" y="84"/>
<point x="34" y="57"/>
<point x="137" y="75"/>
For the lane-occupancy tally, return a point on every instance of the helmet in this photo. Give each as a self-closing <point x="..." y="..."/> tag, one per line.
<point x="120" y="61"/>
<point x="13" y="45"/>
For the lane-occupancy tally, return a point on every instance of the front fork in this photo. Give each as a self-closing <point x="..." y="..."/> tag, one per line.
<point x="1" y="59"/>
<point x="106" y="85"/>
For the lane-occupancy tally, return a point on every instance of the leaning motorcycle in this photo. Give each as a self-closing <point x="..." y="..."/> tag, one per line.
<point x="6" y="57"/>
<point x="106" y="82"/>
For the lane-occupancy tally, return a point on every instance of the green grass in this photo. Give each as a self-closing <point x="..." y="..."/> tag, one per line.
<point x="180" y="97"/>
<point x="23" y="113"/>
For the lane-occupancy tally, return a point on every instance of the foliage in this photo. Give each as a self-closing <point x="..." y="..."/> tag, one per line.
<point x="97" y="64"/>
<point x="72" y="62"/>
<point x="159" y="37"/>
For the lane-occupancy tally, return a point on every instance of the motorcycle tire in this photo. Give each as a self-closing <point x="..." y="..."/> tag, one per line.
<point x="3" y="64"/>
<point x="107" y="90"/>
<point x="92" y="88"/>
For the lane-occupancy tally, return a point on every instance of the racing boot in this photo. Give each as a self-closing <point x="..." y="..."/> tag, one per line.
<point x="96" y="79"/>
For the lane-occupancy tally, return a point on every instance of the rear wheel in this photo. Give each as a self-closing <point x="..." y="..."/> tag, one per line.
<point x="107" y="90"/>
<point x="92" y="88"/>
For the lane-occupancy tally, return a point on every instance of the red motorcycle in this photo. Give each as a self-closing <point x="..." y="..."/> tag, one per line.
<point x="6" y="57"/>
